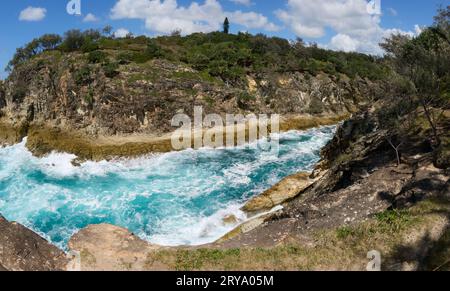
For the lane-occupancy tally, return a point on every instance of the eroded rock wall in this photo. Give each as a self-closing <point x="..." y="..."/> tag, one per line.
<point x="65" y="91"/>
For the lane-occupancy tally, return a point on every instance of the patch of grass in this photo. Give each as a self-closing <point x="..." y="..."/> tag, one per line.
<point x="123" y="58"/>
<point x="344" y="232"/>
<point x="344" y="248"/>
<point x="184" y="260"/>
<point x="342" y="158"/>
<point x="394" y="220"/>
<point x="139" y="57"/>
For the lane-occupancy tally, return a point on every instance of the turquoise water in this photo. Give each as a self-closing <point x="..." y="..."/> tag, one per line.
<point x="172" y="199"/>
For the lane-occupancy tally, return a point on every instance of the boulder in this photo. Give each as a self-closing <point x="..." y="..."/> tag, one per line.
<point x="285" y="190"/>
<point x="23" y="250"/>
<point x="230" y="219"/>
<point x="109" y="248"/>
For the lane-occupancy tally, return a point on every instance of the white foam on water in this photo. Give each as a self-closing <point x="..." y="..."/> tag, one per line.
<point x="159" y="197"/>
<point x="197" y="230"/>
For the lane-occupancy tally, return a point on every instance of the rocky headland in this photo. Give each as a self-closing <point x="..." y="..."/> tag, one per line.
<point x="376" y="187"/>
<point x="107" y="101"/>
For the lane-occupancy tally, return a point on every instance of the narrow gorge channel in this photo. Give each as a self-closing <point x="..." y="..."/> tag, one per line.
<point x="191" y="197"/>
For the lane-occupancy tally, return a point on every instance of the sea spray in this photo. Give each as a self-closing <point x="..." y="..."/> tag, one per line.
<point x="177" y="198"/>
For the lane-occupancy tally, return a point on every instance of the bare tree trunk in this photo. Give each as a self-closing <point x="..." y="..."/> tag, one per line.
<point x="396" y="149"/>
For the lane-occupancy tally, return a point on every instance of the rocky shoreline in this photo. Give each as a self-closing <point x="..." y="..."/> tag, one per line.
<point x="42" y="139"/>
<point x="23" y="250"/>
<point x="348" y="189"/>
<point x="111" y="237"/>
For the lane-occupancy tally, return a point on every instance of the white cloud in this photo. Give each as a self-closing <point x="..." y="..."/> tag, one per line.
<point x="252" y="20"/>
<point x="368" y="44"/>
<point x="90" y="18"/>
<point x="356" y="29"/>
<point x="121" y="33"/>
<point x="243" y="2"/>
<point x="165" y="16"/>
<point x="343" y="42"/>
<point x="32" y="14"/>
<point x="311" y="18"/>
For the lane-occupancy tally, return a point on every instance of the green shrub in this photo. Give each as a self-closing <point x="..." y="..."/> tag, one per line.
<point x="83" y="75"/>
<point x="110" y="43"/>
<point x="110" y="69"/>
<point x="89" y="46"/>
<point x="124" y="58"/>
<point x="97" y="57"/>
<point x="153" y="50"/>
<point x="73" y="40"/>
<point x="89" y="97"/>
<point x="224" y="56"/>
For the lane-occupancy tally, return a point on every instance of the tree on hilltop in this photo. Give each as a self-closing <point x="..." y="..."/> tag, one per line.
<point x="226" y="26"/>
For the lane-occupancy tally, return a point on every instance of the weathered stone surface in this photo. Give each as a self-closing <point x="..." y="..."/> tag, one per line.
<point x="108" y="247"/>
<point x="23" y="250"/>
<point x="285" y="190"/>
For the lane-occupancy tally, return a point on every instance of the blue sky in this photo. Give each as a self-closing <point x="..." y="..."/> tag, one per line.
<point x="335" y="24"/>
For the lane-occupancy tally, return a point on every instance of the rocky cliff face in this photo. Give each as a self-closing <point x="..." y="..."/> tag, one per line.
<point x="68" y="92"/>
<point x="68" y="102"/>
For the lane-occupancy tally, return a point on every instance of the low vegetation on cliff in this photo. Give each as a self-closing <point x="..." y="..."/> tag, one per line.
<point x="225" y="56"/>
<point x="90" y="84"/>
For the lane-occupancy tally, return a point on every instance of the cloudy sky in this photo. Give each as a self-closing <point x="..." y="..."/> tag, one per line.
<point x="349" y="25"/>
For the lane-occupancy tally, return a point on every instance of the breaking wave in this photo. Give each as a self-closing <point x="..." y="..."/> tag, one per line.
<point x="178" y="198"/>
